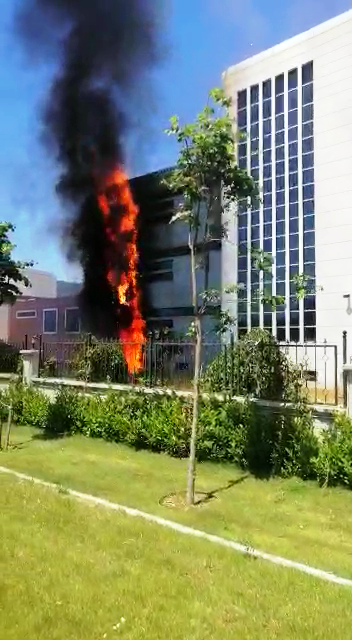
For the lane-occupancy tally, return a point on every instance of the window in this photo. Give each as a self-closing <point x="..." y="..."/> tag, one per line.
<point x="255" y="94"/>
<point x="293" y="165"/>
<point x="280" y="122"/>
<point x="267" y="89"/>
<point x="293" y="195"/>
<point x="49" y="320"/>
<point x="293" y="118"/>
<point x="280" y="168"/>
<point x="279" y="84"/>
<point x="293" y="149"/>
<point x="280" y="213"/>
<point x="242" y="163"/>
<point x="279" y="104"/>
<point x="280" y="138"/>
<point x="267" y="157"/>
<point x="254" y="113"/>
<point x="255" y="174"/>
<point x="293" y="179"/>
<point x="308" y="207"/>
<point x="293" y="79"/>
<point x="160" y="270"/>
<point x="266" y="109"/>
<point x="308" y="160"/>
<point x="242" y="118"/>
<point x="294" y="241"/>
<point x="72" y="320"/>
<point x="281" y="274"/>
<point x="307" y="145"/>
<point x="280" y="183"/>
<point x="308" y="223"/>
<point x="307" y="73"/>
<point x="267" y="171"/>
<point x="307" y="130"/>
<point x="280" y="198"/>
<point x="254" y="145"/>
<point x="242" y="150"/>
<point x="280" y="153"/>
<point x="255" y="233"/>
<point x="242" y="99"/>
<point x="267" y="231"/>
<point x="255" y="160"/>
<point x="293" y="100"/>
<point x="308" y="176"/>
<point x="267" y="214"/>
<point x="294" y="225"/>
<point x="308" y="192"/>
<point x="307" y="113"/>
<point x="255" y="217"/>
<point x="293" y="134"/>
<point x="267" y="200"/>
<point x="280" y="259"/>
<point x="280" y="243"/>
<point x="267" y="142"/>
<point x="309" y="239"/>
<point x="22" y="315"/>
<point x="255" y="131"/>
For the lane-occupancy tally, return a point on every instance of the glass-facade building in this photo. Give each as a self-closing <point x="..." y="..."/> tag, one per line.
<point x="276" y="121"/>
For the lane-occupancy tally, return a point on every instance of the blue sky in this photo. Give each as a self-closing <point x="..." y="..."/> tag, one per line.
<point x="202" y="38"/>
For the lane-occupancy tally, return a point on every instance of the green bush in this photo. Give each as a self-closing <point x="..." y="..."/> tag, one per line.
<point x="100" y="362"/>
<point x="9" y="358"/>
<point x="258" y="367"/>
<point x="333" y="464"/>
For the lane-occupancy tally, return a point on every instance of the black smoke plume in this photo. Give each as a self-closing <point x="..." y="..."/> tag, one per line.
<point x="103" y="51"/>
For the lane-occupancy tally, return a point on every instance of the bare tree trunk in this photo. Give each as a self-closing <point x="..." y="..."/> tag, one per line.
<point x="8" y="428"/>
<point x="197" y="363"/>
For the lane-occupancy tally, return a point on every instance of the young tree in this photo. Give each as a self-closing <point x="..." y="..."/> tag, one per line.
<point x="10" y="270"/>
<point x="208" y="178"/>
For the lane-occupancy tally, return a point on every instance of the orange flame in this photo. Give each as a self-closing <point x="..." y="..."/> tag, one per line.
<point x="126" y="284"/>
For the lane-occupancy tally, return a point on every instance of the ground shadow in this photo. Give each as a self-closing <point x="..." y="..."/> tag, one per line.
<point x="49" y="435"/>
<point x="210" y="495"/>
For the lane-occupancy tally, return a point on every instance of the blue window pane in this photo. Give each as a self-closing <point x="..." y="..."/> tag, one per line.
<point x="308" y="223"/>
<point x="307" y="73"/>
<point x="293" y="211"/>
<point x="309" y="239"/>
<point x="280" y="197"/>
<point x="267" y="89"/>
<point x="308" y="192"/>
<point x="242" y="118"/>
<point x="267" y="171"/>
<point x="293" y="165"/>
<point x="254" y="145"/>
<point x="280" y="138"/>
<point x="280" y="168"/>
<point x="267" y="200"/>
<point x="307" y="145"/>
<point x="293" y="134"/>
<point x="255" y="174"/>
<point x="242" y="307"/>
<point x="281" y="335"/>
<point x="293" y="118"/>
<point x="266" y="127"/>
<point x="267" y="157"/>
<point x="280" y="291"/>
<point x="294" y="270"/>
<point x="268" y="230"/>
<point x="309" y="255"/>
<point x="255" y="113"/>
<point x="294" y="225"/>
<point x="242" y="220"/>
<point x="294" y="318"/>
<point x="308" y="176"/>
<point x="293" y="79"/>
<point x="280" y="153"/>
<point x="242" y="263"/>
<point x="310" y="334"/>
<point x="254" y="131"/>
<point x="242" y="235"/>
<point x="307" y="113"/>
<point x="254" y="279"/>
<point x="292" y="100"/>
<point x="267" y="215"/>
<point x="242" y="320"/>
<point x="293" y="195"/>
<point x="242" y="293"/>
<point x="307" y="94"/>
<point x="294" y="303"/>
<point x="294" y="256"/>
<point x="242" y="277"/>
<point x="255" y="94"/>
<point x="279" y="84"/>
<point x="242" y="99"/>
<point x="255" y="160"/>
<point x="267" y="186"/>
<point x="310" y="318"/>
<point x="267" y="142"/>
<point x="293" y="179"/>
<point x="266" y="109"/>
<point x="280" y="213"/>
<point x="255" y="320"/>
<point x="242" y="163"/>
<point x="242" y="150"/>
<point x="255" y="218"/>
<point x="280" y="258"/>
<point x="268" y="245"/>
<point x="294" y="241"/>
<point x="280" y="183"/>
<point x="294" y="334"/>
<point x="280" y="228"/>
<point x="309" y="303"/>
<point x="307" y="130"/>
<point x="280" y="122"/>
<point x="255" y="233"/>
<point x="268" y="321"/>
<point x="280" y="273"/>
<point x="308" y="207"/>
<point x="279" y="104"/>
<point x="308" y="160"/>
<point x="293" y="149"/>
<point x="280" y="243"/>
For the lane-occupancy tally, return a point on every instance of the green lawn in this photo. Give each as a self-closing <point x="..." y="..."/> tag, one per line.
<point x="70" y="572"/>
<point x="289" y="517"/>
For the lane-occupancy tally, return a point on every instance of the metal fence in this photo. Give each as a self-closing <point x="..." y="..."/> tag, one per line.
<point x="171" y="364"/>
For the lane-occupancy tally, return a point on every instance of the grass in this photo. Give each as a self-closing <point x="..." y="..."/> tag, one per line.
<point x="291" y="518"/>
<point x="70" y="572"/>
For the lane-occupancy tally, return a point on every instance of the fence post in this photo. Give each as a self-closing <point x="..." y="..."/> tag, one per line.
<point x="225" y="387"/>
<point x="232" y="364"/>
<point x="150" y="359"/>
<point x="344" y="360"/>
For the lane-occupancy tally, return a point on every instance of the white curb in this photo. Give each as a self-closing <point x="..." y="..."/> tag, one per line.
<point x="189" y="531"/>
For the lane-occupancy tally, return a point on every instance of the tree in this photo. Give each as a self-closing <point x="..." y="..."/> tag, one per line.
<point x="208" y="178"/>
<point x="10" y="270"/>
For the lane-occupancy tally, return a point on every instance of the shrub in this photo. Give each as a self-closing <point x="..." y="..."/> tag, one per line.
<point x="66" y="414"/>
<point x="100" y="362"/>
<point x="333" y="464"/>
<point x="259" y="368"/>
<point x="9" y="358"/>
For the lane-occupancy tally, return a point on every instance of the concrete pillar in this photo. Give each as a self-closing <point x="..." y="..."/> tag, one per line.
<point x="347" y="372"/>
<point x="30" y="360"/>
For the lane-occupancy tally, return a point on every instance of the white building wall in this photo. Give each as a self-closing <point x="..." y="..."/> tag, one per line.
<point x="330" y="47"/>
